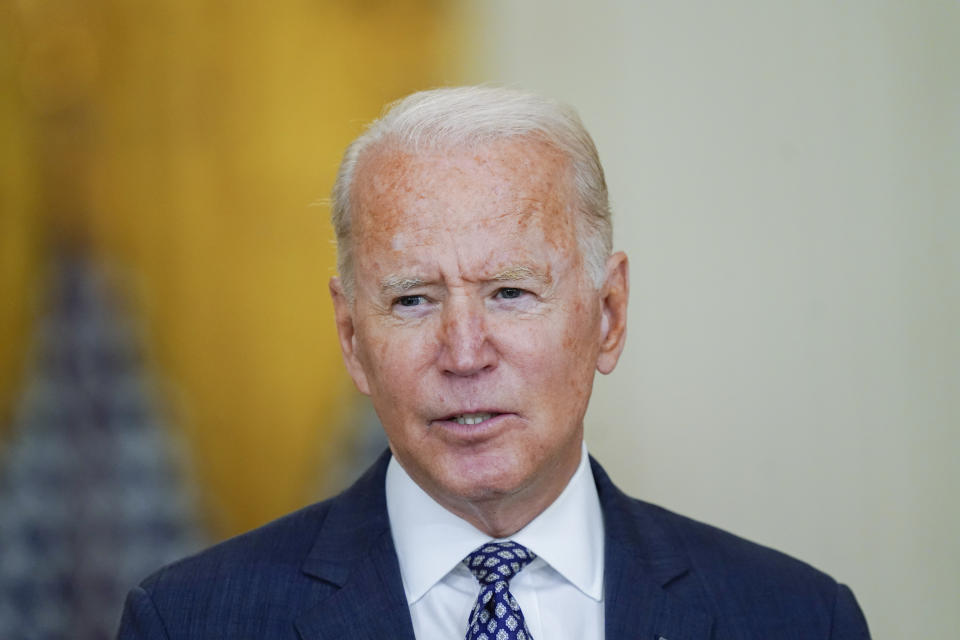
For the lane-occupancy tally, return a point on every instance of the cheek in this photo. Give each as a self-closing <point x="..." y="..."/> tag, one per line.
<point x="580" y="347"/>
<point x="393" y="361"/>
<point x="559" y="356"/>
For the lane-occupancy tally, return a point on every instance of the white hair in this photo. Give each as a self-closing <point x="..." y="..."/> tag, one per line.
<point x="448" y="117"/>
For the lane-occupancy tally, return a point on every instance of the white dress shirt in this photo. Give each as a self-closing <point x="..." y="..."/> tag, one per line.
<point x="560" y="593"/>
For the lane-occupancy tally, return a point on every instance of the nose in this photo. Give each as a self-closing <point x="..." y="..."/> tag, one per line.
<point x="466" y="347"/>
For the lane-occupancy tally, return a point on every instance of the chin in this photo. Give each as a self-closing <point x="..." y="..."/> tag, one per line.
<point x="480" y="485"/>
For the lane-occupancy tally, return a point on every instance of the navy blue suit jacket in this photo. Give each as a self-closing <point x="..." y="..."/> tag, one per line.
<point x="330" y="572"/>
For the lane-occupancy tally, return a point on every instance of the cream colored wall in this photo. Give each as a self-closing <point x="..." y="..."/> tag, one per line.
<point x="785" y="179"/>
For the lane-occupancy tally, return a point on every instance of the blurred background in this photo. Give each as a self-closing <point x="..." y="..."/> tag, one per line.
<point x="784" y="178"/>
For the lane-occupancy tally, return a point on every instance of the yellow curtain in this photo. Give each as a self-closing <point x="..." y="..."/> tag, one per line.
<point x="19" y="224"/>
<point x="184" y="142"/>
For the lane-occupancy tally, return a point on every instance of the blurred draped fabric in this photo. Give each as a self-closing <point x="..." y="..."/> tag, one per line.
<point x="90" y="497"/>
<point x="183" y="151"/>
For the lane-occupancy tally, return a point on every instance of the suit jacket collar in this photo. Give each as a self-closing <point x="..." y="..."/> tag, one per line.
<point x="354" y="552"/>
<point x="643" y="559"/>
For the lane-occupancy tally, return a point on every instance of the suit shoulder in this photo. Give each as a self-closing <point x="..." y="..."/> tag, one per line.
<point x="278" y="545"/>
<point x="749" y="590"/>
<point x="715" y="551"/>
<point x="256" y="584"/>
<point x="252" y="584"/>
<point x="719" y="559"/>
<point x="749" y="585"/>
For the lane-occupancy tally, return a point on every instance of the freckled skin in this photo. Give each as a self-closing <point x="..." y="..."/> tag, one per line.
<point x="464" y="341"/>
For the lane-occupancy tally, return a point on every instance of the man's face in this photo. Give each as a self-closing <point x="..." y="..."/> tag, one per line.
<point x="474" y="328"/>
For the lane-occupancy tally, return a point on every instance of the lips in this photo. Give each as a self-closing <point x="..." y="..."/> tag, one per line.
<point x="472" y="418"/>
<point x="474" y="427"/>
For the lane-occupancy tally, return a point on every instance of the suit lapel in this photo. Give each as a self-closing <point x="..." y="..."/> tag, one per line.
<point x="354" y="554"/>
<point x="642" y="561"/>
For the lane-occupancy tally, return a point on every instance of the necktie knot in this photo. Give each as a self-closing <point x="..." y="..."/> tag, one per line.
<point x="496" y="561"/>
<point x="496" y="614"/>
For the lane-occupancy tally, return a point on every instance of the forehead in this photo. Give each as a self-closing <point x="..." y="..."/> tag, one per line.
<point x="507" y="186"/>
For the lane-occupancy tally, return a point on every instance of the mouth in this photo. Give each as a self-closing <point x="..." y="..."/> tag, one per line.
<point x="474" y="427"/>
<point x="472" y="418"/>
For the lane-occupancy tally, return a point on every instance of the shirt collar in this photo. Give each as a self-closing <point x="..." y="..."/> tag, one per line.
<point x="431" y="541"/>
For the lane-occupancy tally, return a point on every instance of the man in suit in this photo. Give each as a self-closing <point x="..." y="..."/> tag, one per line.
<point x="478" y="294"/>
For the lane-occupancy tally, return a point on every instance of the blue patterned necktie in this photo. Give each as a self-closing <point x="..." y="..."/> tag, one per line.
<point x="496" y="614"/>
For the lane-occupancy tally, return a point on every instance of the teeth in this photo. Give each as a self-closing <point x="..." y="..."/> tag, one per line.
<point x="473" y="418"/>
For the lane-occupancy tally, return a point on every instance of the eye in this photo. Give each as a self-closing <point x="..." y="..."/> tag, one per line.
<point x="409" y="301"/>
<point x="509" y="293"/>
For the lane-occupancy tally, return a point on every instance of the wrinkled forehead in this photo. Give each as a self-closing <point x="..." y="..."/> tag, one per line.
<point x="463" y="185"/>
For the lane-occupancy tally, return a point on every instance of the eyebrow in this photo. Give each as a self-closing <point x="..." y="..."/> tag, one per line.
<point x="397" y="285"/>
<point x="521" y="272"/>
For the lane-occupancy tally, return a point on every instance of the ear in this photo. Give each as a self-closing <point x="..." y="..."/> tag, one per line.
<point x="613" y="325"/>
<point x="346" y="331"/>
